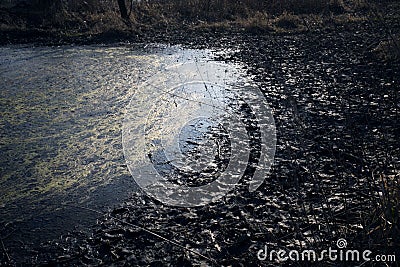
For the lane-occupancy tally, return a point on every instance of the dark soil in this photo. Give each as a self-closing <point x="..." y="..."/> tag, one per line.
<point x="336" y="109"/>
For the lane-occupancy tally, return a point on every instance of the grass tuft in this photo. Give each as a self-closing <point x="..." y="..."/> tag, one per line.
<point x="388" y="50"/>
<point x="383" y="222"/>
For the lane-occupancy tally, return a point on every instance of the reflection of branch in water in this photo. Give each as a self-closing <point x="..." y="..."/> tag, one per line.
<point x="201" y="76"/>
<point x="169" y="92"/>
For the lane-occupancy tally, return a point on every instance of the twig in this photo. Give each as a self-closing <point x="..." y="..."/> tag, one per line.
<point x="148" y="231"/>
<point x="5" y="251"/>
<point x="306" y="23"/>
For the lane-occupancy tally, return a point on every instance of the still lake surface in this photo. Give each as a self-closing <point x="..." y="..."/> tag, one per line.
<point x="62" y="111"/>
<point x="60" y="130"/>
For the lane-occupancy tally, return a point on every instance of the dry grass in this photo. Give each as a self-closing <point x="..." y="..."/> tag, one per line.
<point x="388" y="50"/>
<point x="220" y="10"/>
<point x="102" y="15"/>
<point x="382" y="224"/>
<point x="288" y="21"/>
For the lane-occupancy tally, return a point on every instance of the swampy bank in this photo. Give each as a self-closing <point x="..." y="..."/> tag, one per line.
<point x="334" y="92"/>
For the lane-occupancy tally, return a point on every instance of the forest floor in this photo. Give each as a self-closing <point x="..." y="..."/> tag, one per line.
<point x="335" y="95"/>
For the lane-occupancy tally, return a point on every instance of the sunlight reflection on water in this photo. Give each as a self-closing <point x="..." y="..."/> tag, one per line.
<point x="60" y="128"/>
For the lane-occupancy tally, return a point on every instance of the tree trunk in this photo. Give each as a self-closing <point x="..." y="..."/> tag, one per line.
<point x="122" y="10"/>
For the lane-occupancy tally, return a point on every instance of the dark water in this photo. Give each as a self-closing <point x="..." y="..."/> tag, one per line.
<point x="60" y="133"/>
